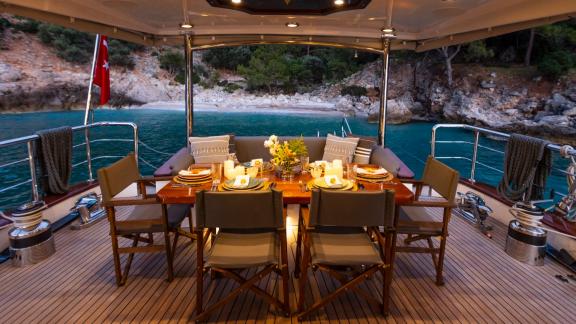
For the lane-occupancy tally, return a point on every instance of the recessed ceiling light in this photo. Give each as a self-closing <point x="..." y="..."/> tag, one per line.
<point x="338" y="2"/>
<point x="186" y="25"/>
<point x="236" y="1"/>
<point x="292" y="24"/>
<point x="371" y="18"/>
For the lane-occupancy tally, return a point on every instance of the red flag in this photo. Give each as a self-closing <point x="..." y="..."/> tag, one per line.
<point x="102" y="71"/>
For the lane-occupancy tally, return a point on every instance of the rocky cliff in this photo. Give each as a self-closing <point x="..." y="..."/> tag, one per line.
<point x="32" y="77"/>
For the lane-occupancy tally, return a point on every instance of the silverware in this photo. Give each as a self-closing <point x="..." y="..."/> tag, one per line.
<point x="215" y="184"/>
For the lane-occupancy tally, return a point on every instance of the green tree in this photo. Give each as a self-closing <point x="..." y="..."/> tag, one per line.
<point x="478" y="52"/>
<point x="268" y="68"/>
<point x="228" y="58"/>
<point x="557" y="63"/>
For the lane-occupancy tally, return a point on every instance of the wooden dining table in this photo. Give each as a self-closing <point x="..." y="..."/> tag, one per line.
<point x="293" y="191"/>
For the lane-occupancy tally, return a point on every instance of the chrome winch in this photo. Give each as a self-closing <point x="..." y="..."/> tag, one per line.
<point x="526" y="241"/>
<point x="88" y="210"/>
<point x="31" y="239"/>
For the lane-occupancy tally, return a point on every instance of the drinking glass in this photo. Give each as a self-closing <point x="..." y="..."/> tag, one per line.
<point x="305" y="162"/>
<point x="316" y="171"/>
<point x="216" y="171"/>
<point x="252" y="171"/>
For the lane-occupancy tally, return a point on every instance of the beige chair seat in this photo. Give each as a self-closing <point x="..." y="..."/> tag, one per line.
<point x="135" y="222"/>
<point x="343" y="249"/>
<point x="418" y="220"/>
<point x="234" y="250"/>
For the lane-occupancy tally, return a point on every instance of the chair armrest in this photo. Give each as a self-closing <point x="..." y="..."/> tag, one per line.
<point x="130" y="201"/>
<point x="424" y="203"/>
<point x="155" y="178"/>
<point x="412" y="181"/>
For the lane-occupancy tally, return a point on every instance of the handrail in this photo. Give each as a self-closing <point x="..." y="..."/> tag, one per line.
<point x="30" y="139"/>
<point x="475" y="146"/>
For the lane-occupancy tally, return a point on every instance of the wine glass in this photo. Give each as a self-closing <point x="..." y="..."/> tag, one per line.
<point x="316" y="171"/>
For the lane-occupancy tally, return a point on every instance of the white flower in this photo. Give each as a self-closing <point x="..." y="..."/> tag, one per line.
<point x="267" y="143"/>
<point x="274" y="138"/>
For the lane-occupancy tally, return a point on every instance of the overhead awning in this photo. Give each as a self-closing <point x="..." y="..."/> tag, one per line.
<point x="419" y="24"/>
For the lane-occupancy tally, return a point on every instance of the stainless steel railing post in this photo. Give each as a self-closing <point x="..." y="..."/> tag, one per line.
<point x="88" y="154"/>
<point x="135" y="130"/>
<point x="32" y="165"/>
<point x="433" y="142"/>
<point x="474" y="156"/>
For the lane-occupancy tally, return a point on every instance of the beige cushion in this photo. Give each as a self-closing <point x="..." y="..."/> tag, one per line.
<point x="412" y="220"/>
<point x="342" y="148"/>
<point x="363" y="151"/>
<point x="234" y="250"/>
<point x="148" y="218"/>
<point x="131" y="191"/>
<point x="210" y="149"/>
<point x="343" y="249"/>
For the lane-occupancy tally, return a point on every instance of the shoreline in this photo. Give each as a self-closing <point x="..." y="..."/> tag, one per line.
<point x="208" y="107"/>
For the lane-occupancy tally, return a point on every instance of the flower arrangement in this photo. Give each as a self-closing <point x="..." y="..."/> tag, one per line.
<point x="286" y="155"/>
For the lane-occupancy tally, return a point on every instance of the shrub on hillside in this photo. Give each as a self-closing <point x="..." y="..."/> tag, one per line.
<point x="478" y="52"/>
<point x="27" y="25"/>
<point x="557" y="63"/>
<point x="354" y="91"/>
<point x="72" y="46"/>
<point x="228" y="58"/>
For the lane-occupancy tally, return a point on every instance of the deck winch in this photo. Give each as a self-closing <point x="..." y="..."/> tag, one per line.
<point x="526" y="241"/>
<point x="31" y="239"/>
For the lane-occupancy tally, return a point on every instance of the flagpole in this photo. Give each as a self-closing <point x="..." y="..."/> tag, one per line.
<point x="87" y="111"/>
<point x="89" y="99"/>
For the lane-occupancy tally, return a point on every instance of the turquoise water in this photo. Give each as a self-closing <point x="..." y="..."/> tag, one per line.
<point x="164" y="130"/>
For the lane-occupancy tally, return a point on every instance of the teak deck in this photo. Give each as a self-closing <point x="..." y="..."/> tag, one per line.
<point x="483" y="284"/>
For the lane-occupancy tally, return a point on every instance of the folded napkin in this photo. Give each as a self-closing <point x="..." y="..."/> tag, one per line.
<point x="333" y="181"/>
<point x="241" y="181"/>
<point x="321" y="163"/>
<point x="360" y="170"/>
<point x="194" y="173"/>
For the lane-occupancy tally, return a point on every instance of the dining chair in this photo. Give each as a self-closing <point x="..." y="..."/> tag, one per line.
<point x="342" y="229"/>
<point x="122" y="186"/>
<point x="417" y="220"/>
<point x="251" y="234"/>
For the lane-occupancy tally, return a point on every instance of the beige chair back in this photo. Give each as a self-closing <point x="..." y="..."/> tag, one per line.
<point x="240" y="210"/>
<point x="117" y="176"/>
<point x="442" y="178"/>
<point x="352" y="209"/>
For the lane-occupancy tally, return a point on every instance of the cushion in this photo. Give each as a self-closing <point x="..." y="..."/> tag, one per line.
<point x="235" y="250"/>
<point x="343" y="249"/>
<point x="342" y="148"/>
<point x="418" y="220"/>
<point x="210" y="149"/>
<point x="363" y="151"/>
<point x="148" y="218"/>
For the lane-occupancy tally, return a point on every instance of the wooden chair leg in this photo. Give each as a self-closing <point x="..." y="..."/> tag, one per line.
<point x="431" y="245"/>
<point x="285" y="273"/>
<point x="191" y="225"/>
<point x="129" y="261"/>
<point x="298" y="245"/>
<point x="302" y="281"/>
<point x="116" y="255"/>
<point x="150" y="238"/>
<point x="199" y="271"/>
<point x="440" y="266"/>
<point x="175" y="243"/>
<point x="167" y="244"/>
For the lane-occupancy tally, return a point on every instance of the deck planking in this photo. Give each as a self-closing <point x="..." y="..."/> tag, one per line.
<point x="482" y="285"/>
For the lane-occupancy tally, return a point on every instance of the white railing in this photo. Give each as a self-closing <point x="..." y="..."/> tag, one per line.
<point x="476" y="146"/>
<point x="31" y="158"/>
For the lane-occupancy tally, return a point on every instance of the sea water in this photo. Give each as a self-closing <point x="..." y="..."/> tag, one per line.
<point x="164" y="131"/>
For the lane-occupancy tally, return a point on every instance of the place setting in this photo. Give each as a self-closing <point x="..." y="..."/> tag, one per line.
<point x="193" y="177"/>
<point x="330" y="176"/>
<point x="241" y="178"/>
<point x="373" y="174"/>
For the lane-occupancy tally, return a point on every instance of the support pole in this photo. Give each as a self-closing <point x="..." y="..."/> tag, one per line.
<point x="88" y="110"/>
<point x="189" y="88"/>
<point x="383" y="92"/>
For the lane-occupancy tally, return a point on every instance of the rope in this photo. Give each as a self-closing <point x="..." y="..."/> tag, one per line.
<point x="154" y="150"/>
<point x="527" y="165"/>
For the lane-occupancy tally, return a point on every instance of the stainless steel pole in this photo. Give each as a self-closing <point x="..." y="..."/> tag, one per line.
<point x="87" y="112"/>
<point x="32" y="165"/>
<point x="89" y="98"/>
<point x="383" y="91"/>
<point x="189" y="88"/>
<point x="474" y="156"/>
